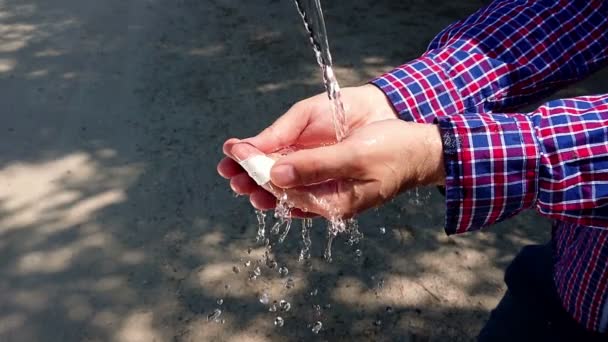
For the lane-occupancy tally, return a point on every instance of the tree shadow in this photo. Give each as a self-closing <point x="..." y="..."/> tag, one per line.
<point x="115" y="226"/>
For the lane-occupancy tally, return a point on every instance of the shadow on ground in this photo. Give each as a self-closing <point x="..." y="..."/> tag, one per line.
<point x="114" y="225"/>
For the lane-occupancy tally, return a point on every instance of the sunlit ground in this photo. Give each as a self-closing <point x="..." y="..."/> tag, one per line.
<point x="114" y="225"/>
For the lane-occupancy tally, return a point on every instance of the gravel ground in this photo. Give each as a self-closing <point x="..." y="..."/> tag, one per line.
<point x="114" y="225"/>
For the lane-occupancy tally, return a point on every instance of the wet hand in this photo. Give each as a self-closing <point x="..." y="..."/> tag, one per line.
<point x="307" y="124"/>
<point x="378" y="159"/>
<point x="368" y="168"/>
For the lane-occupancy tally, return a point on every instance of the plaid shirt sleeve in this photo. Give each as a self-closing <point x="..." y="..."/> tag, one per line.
<point x="555" y="158"/>
<point x="503" y="56"/>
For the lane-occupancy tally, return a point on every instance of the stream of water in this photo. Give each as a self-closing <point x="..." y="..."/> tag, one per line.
<point x="312" y="15"/>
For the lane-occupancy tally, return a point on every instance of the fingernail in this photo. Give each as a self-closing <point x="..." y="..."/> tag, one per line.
<point x="283" y="175"/>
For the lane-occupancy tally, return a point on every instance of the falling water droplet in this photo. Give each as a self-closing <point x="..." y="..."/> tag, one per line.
<point x="289" y="283"/>
<point x="261" y="216"/>
<point x="382" y="230"/>
<point x="270" y="263"/>
<point x="314" y="292"/>
<point x="247" y="263"/>
<point x="378" y="323"/>
<point x="284" y="305"/>
<point x="264" y="298"/>
<point x="249" y="250"/>
<point x="255" y="273"/>
<point x="272" y="308"/>
<point x="306" y="241"/>
<point x="351" y="227"/>
<point x="220" y="301"/>
<point x="214" y="316"/>
<point x="317" y="327"/>
<point x="330" y="239"/>
<point x="358" y="253"/>
<point x="276" y="229"/>
<point x="286" y="231"/>
<point x="317" y="309"/>
<point x="283" y="271"/>
<point x="283" y="213"/>
<point x="279" y="322"/>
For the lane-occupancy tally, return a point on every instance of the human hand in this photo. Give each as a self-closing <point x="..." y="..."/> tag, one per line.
<point x="368" y="168"/>
<point x="307" y="124"/>
<point x="381" y="157"/>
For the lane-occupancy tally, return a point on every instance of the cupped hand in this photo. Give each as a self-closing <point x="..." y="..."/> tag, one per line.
<point x="308" y="123"/>
<point x="381" y="156"/>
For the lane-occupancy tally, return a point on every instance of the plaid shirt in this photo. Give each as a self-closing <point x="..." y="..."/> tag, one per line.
<point x="500" y="162"/>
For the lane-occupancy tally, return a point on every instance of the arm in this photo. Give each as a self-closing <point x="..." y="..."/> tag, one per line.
<point x="555" y="158"/>
<point x="502" y="56"/>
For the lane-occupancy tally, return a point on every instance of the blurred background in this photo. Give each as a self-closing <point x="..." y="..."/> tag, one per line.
<point x="114" y="225"/>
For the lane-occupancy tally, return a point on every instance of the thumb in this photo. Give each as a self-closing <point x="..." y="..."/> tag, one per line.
<point x="284" y="132"/>
<point x="312" y="166"/>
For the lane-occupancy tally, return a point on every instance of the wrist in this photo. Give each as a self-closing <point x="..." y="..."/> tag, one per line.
<point x="381" y="104"/>
<point x="433" y="170"/>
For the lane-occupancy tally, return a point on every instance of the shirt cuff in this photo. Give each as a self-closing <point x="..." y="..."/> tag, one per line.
<point x="421" y="91"/>
<point x="491" y="164"/>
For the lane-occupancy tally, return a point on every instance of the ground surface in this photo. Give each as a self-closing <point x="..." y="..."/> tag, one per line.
<point x="114" y="225"/>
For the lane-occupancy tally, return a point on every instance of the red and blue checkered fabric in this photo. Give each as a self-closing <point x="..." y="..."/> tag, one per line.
<point x="499" y="162"/>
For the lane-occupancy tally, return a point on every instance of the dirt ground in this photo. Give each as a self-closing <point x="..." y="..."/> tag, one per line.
<point x="114" y="225"/>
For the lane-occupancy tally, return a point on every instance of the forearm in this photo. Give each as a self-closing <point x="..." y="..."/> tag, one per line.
<point x="554" y="159"/>
<point x="502" y="56"/>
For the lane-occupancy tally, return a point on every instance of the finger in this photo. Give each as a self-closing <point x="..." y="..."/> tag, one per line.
<point x="312" y="166"/>
<point x="228" y="146"/>
<point x="242" y="184"/>
<point x="228" y="168"/>
<point x="285" y="131"/>
<point x="243" y="151"/>
<point x="262" y="199"/>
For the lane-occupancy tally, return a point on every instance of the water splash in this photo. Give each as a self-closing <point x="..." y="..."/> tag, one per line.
<point x="279" y="321"/>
